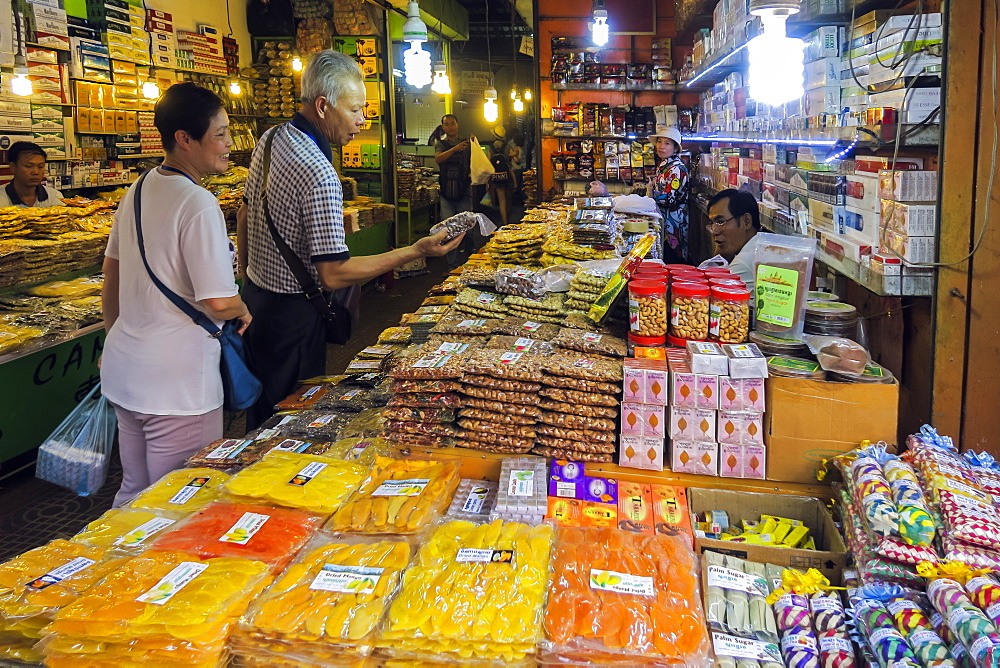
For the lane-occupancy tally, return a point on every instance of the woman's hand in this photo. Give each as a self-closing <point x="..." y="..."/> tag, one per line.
<point x="245" y="320"/>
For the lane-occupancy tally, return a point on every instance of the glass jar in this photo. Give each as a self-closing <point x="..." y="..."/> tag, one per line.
<point x="689" y="304"/>
<point x="729" y="320"/>
<point x="647" y="347"/>
<point x="647" y="308"/>
<point x="688" y="277"/>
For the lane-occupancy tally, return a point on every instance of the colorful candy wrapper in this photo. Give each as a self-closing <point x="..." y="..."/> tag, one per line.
<point x="916" y="526"/>
<point x="792" y="614"/>
<point x="970" y="625"/>
<point x="985" y="593"/>
<point x="835" y="651"/>
<point x="828" y="613"/>
<point x="875" y="496"/>
<point x="971" y="555"/>
<point x="913" y="624"/>
<point x="800" y="650"/>
<point x="886" y="643"/>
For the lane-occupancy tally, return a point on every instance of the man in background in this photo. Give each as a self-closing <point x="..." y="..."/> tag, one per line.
<point x="27" y="188"/>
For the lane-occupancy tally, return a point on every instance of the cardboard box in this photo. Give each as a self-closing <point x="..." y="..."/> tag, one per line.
<point x="635" y="508"/>
<point x="831" y="557"/>
<point x="915" y="220"/>
<point x="808" y="421"/>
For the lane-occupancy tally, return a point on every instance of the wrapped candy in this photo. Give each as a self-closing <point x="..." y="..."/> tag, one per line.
<point x="835" y="650"/>
<point x="985" y="593"/>
<point x="912" y="622"/>
<point x="832" y="633"/>
<point x="309" y="482"/>
<point x="800" y="650"/>
<point x="986" y="469"/>
<point x="885" y="642"/>
<point x="970" y="625"/>
<point x="875" y="496"/>
<point x="916" y="526"/>
<point x="617" y="595"/>
<point x="475" y="592"/>
<point x="182" y="491"/>
<point x="792" y="614"/>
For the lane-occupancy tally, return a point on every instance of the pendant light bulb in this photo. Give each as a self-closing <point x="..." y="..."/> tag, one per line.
<point x="20" y="84"/>
<point x="518" y="104"/>
<point x="150" y="89"/>
<point x="527" y="93"/>
<point x="513" y="93"/>
<point x="599" y="27"/>
<point x="296" y="64"/>
<point x="441" y="84"/>
<point x="776" y="71"/>
<point x="235" y="88"/>
<point x="491" y="111"/>
<point x="416" y="61"/>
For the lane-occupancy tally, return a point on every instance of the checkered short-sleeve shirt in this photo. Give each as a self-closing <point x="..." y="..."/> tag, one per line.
<point x="307" y="206"/>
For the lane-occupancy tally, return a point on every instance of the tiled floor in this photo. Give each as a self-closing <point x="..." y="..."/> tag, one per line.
<point x="33" y="512"/>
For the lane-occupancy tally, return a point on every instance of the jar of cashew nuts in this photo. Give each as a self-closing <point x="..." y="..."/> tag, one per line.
<point x="729" y="314"/>
<point x="647" y="308"/>
<point x="689" y="311"/>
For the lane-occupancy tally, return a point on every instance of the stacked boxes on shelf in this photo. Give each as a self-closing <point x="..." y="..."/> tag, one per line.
<point x="50" y="25"/>
<point x="205" y="49"/>
<point x="643" y="414"/>
<point x="149" y="137"/>
<point x="909" y="214"/>
<point x="163" y="42"/>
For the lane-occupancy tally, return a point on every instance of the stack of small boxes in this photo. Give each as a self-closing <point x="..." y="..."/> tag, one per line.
<point x="204" y="49"/>
<point x="643" y="414"/>
<point x="716" y="410"/>
<point x="909" y="214"/>
<point x="161" y="32"/>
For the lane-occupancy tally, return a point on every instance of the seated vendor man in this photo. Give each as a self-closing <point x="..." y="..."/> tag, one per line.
<point x="27" y="188"/>
<point x="734" y="224"/>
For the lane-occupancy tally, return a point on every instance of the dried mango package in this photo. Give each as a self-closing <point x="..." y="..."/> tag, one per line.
<point x="126" y="531"/>
<point x="311" y="482"/>
<point x="332" y="599"/>
<point x="36" y="584"/>
<point x="163" y="608"/>
<point x="616" y="594"/>
<point x="182" y="491"/>
<point x="475" y="592"/>
<point x="401" y="496"/>
<point x="271" y="535"/>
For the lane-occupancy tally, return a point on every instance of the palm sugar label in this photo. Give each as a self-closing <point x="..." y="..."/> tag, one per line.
<point x="776" y="289"/>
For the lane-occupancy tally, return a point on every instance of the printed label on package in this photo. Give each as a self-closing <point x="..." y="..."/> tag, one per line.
<point x="412" y="487"/>
<point x="584" y="363"/>
<point x="290" y="445"/>
<point x="350" y="394"/>
<point x="510" y="358"/>
<point x="467" y="554"/>
<point x="172" y="582"/>
<point x="347" y="579"/>
<point x="57" y="575"/>
<point x="357" y="450"/>
<point x="826" y="603"/>
<point x="471" y="324"/>
<point x="311" y="391"/>
<point x="476" y="500"/>
<point x="744" y="648"/>
<point x="566" y="489"/>
<point x="245" y="528"/>
<point x="286" y="420"/>
<point x="322" y="420"/>
<point x="375" y="350"/>
<point x="523" y="344"/>
<point x="521" y="483"/>
<point x="835" y="645"/>
<point x="886" y="635"/>
<point x="621" y="583"/>
<point x="728" y="578"/>
<point x="435" y="361"/>
<point x="453" y="347"/>
<point x="590" y="337"/>
<point x="138" y="535"/>
<point x="228" y="449"/>
<point x="365" y="364"/>
<point x="308" y="472"/>
<point x="189" y="490"/>
<point x="794" y="641"/>
<point x="530" y="326"/>
<point x="776" y="290"/>
<point x="266" y="434"/>
<point x="486" y="298"/>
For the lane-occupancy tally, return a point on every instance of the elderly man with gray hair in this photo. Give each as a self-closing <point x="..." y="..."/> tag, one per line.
<point x="292" y="246"/>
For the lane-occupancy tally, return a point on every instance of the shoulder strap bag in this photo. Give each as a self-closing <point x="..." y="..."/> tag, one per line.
<point x="335" y="316"/>
<point x="240" y="387"/>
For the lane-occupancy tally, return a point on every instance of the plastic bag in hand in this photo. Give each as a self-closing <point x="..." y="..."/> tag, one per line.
<point x="76" y="454"/>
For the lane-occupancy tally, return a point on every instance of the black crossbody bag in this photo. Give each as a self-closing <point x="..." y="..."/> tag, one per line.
<point x="337" y="320"/>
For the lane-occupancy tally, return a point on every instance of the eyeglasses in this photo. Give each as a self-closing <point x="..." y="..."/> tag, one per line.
<point x="718" y="224"/>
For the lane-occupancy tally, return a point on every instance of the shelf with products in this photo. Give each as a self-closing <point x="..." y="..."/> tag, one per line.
<point x="915" y="134"/>
<point x="636" y="88"/>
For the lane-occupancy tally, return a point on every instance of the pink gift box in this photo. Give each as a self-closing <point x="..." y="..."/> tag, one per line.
<point x="754" y="461"/>
<point x="741" y="427"/>
<point x="633" y="383"/>
<point x="653" y="421"/>
<point x="632" y="419"/>
<point x="741" y="394"/>
<point x="700" y="457"/>
<point x="708" y="391"/>
<point x="730" y="460"/>
<point x="656" y="387"/>
<point x="696" y="424"/>
<point x="683" y="389"/>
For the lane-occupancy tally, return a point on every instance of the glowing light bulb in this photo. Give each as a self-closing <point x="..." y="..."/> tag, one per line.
<point x="296" y="64"/>
<point x="491" y="110"/>
<point x="235" y="88"/>
<point x="441" y="84"/>
<point x="416" y="61"/>
<point x="150" y="90"/>
<point x="599" y="27"/>
<point x="518" y="104"/>
<point x="20" y="84"/>
<point x="527" y="93"/>
<point x="513" y="93"/>
<point x="775" y="73"/>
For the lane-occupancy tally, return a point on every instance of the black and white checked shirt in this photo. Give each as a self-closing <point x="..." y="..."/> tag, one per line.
<point x="307" y="206"/>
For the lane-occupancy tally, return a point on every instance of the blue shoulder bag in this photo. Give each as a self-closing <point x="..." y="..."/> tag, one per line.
<point x="240" y="387"/>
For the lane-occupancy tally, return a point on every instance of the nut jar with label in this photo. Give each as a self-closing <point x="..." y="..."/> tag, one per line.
<point x="689" y="303"/>
<point x="647" y="308"/>
<point x="729" y="314"/>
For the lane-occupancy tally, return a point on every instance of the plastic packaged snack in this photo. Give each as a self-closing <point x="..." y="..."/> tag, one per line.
<point x="571" y="421"/>
<point x="399" y="335"/>
<point x="569" y="383"/>
<point x="368" y="422"/>
<point x="271" y="535"/>
<point x="555" y="451"/>
<point x="508" y="429"/>
<point x="491" y="416"/>
<point x="838" y="354"/>
<point x="422" y="428"/>
<point x="582" y="410"/>
<point x="400" y="496"/>
<point x="501" y="407"/>
<point x="474" y="500"/>
<point x="171" y="608"/>
<point x="182" y="491"/>
<point x="404" y="440"/>
<point x="333" y="597"/>
<point x="346" y="398"/>
<point x="311" y="483"/>
<point x="227" y="453"/>
<point x="419" y="414"/>
<point x="503" y="396"/>
<point x="495" y="448"/>
<point x="520" y="281"/>
<point x="506" y="365"/>
<point x="463" y="222"/>
<point x="499" y="383"/>
<point x="525" y="327"/>
<point x="590" y="343"/>
<point x="622" y="597"/>
<point x="427" y="400"/>
<point x="521" y="344"/>
<point x="360" y="450"/>
<point x="433" y="366"/>
<point x="316" y="424"/>
<point x="782" y="266"/>
<point x="586" y="368"/>
<point x="436" y="386"/>
<point x="303" y="398"/>
<point x="523" y="490"/>
<point x="483" y="304"/>
<point x="493" y="442"/>
<point x="584" y="398"/>
<point x="126" y="531"/>
<point x="475" y="592"/>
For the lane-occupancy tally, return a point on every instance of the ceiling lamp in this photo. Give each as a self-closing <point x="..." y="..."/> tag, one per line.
<point x="442" y="84"/>
<point x="599" y="26"/>
<point x="491" y="111"/>
<point x="296" y="64"/>
<point x="513" y="93"/>
<point x="235" y="88"/>
<point x="527" y="94"/>
<point x="20" y="84"/>
<point x="518" y="104"/>
<point x="150" y="89"/>
<point x="775" y="73"/>
<point x="416" y="61"/>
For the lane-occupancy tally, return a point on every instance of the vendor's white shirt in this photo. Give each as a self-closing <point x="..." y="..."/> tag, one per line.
<point x="156" y="359"/>
<point x="743" y="264"/>
<point x="54" y="198"/>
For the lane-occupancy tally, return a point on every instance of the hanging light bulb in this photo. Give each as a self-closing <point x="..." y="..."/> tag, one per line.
<point x="416" y="61"/>
<point x="518" y="104"/>
<point x="235" y="88"/>
<point x="296" y="64"/>
<point x="599" y="27"/>
<point x="20" y="84"/>
<point x="150" y="89"/>
<point x="513" y="93"/>
<point x="527" y="93"/>
<point x="442" y="84"/>
<point x="491" y="111"/>
<point x="776" y="72"/>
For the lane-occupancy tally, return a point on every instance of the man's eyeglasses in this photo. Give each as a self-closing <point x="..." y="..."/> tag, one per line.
<point x="717" y="224"/>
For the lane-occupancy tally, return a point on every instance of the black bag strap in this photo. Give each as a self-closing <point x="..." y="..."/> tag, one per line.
<point x="295" y="265"/>
<point x="178" y="301"/>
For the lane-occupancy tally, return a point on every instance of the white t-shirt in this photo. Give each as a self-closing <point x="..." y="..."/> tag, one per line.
<point x="54" y="198"/>
<point x="156" y="359"/>
<point x="743" y="264"/>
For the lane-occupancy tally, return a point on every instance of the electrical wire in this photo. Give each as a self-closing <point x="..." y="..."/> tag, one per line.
<point x="17" y="25"/>
<point x="229" y="21"/>
<point x="850" y="59"/>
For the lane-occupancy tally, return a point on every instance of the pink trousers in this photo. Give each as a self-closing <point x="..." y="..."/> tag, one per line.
<point x="153" y="445"/>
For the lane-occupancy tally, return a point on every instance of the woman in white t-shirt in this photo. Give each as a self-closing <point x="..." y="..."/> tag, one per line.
<point x="160" y="369"/>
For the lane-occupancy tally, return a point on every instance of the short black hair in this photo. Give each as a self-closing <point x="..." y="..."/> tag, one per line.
<point x="188" y="107"/>
<point x="19" y="148"/>
<point x="740" y="202"/>
<point x="452" y="116"/>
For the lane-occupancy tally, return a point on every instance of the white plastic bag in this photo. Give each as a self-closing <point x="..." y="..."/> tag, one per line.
<point x="480" y="167"/>
<point x="77" y="453"/>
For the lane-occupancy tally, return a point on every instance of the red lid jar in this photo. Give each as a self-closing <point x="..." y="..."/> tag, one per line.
<point x="689" y="306"/>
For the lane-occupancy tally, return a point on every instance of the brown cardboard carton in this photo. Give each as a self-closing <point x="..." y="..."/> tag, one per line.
<point x="831" y="556"/>
<point x="808" y="421"/>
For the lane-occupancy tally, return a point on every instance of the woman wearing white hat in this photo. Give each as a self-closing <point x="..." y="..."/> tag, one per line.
<point x="669" y="187"/>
